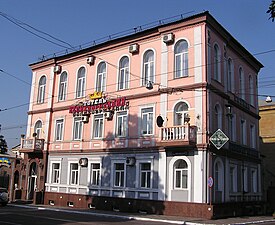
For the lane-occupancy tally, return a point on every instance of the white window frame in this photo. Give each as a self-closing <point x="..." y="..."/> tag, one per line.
<point x="233" y="179"/>
<point x="142" y="114"/>
<point x="243" y="130"/>
<point x="41" y="90"/>
<point x="58" y="123"/>
<point x="97" y="172"/>
<point x="98" y="134"/>
<point x="253" y="136"/>
<point x="53" y="172"/>
<point x="122" y="120"/>
<point x="241" y="83"/>
<point x="101" y="76"/>
<point x="149" y="65"/>
<point x="80" y="83"/>
<point x="62" y="88"/>
<point x="80" y="128"/>
<point x="123" y="72"/>
<point x="230" y="75"/>
<point x="181" y="170"/>
<point x="70" y="171"/>
<point x="38" y="130"/>
<point x="183" y="70"/>
<point x="148" y="174"/>
<point x="217" y="63"/>
<point x="121" y="176"/>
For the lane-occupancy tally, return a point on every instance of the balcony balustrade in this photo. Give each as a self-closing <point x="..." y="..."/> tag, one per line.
<point x="31" y="144"/>
<point x="178" y="135"/>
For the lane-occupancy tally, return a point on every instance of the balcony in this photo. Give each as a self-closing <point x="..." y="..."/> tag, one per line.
<point x="31" y="145"/>
<point x="178" y="135"/>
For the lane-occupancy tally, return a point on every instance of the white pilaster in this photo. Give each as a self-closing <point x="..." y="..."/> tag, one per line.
<point x="199" y="177"/>
<point x="162" y="176"/>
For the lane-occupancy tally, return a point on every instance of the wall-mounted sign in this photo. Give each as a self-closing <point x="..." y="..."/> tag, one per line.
<point x="98" y="103"/>
<point x="218" y="139"/>
<point x="5" y="162"/>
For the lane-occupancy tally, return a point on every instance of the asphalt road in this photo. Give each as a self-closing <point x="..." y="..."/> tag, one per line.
<point x="13" y="215"/>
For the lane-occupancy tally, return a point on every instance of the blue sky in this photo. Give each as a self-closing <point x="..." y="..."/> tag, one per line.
<point x="81" y="21"/>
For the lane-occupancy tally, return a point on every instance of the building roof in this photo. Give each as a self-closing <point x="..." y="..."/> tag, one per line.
<point x="151" y="28"/>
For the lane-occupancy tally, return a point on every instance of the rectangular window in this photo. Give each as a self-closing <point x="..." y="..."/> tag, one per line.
<point x="233" y="178"/>
<point x="243" y="132"/>
<point x="98" y="126"/>
<point x="80" y="87"/>
<point x="95" y="174"/>
<point x="77" y="130"/>
<point x="59" y="129"/>
<point x="147" y="121"/>
<point x="41" y="94"/>
<point x="55" y="173"/>
<point x="145" y="175"/>
<point x="254" y="186"/>
<point x="121" y="124"/>
<point x="252" y="136"/>
<point x="74" y="173"/>
<point x="245" y="185"/>
<point x="181" y="178"/>
<point x="119" y="175"/>
<point x="123" y="78"/>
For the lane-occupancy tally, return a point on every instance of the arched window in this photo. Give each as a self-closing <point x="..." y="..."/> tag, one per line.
<point x="217" y="63"/>
<point x="41" y="90"/>
<point x="62" y="86"/>
<point x="241" y="83"/>
<point x="230" y="75"/>
<point x="148" y="67"/>
<point x="81" y="82"/>
<point x="217" y="117"/>
<point x="101" y="77"/>
<point x="180" y="174"/>
<point x="181" y="59"/>
<point x="38" y="128"/>
<point x="123" y="77"/>
<point x="180" y="113"/>
<point x="251" y="91"/>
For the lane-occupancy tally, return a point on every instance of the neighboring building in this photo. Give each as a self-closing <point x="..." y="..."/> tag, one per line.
<point x="125" y="124"/>
<point x="267" y="147"/>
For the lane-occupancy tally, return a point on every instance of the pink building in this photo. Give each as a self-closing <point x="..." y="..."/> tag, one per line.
<point x="126" y="124"/>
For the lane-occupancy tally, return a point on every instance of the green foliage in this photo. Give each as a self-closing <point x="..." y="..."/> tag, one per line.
<point x="3" y="145"/>
<point x="271" y="10"/>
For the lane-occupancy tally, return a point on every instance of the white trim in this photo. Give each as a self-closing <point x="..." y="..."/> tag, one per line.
<point x="172" y="175"/>
<point x="104" y="86"/>
<point x="76" y="79"/>
<point x="198" y="54"/>
<point x="69" y="173"/>
<point x="118" y="72"/>
<point x="51" y="171"/>
<point x="90" y="162"/>
<point x="198" y="175"/>
<point x="142" y="65"/>
<point x="153" y="105"/>
<point x="58" y="88"/>
<point x="162" y="176"/>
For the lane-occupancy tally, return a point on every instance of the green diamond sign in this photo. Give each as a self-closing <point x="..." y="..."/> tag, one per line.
<point x="218" y="139"/>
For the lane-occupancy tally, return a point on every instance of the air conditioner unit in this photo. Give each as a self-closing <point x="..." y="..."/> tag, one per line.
<point x="85" y="119"/>
<point x="91" y="60"/>
<point x="168" y="38"/>
<point x="108" y="115"/>
<point x="57" y="69"/>
<point x="133" y="48"/>
<point x="130" y="161"/>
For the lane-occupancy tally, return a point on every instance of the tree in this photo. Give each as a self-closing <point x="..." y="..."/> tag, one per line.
<point x="271" y="10"/>
<point x="3" y="145"/>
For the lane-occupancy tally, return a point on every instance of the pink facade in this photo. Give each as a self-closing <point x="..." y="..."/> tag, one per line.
<point x="190" y="76"/>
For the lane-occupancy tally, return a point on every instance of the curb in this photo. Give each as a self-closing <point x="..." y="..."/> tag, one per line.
<point x="105" y="215"/>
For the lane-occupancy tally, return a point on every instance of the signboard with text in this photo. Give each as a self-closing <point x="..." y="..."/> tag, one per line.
<point x="218" y="139"/>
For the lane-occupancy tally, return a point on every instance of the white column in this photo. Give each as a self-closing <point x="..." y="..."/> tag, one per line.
<point x="199" y="179"/>
<point x="162" y="176"/>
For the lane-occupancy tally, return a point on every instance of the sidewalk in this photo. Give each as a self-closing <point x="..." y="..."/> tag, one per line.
<point x="153" y="217"/>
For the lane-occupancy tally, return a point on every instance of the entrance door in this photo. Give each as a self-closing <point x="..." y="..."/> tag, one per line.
<point x="32" y="179"/>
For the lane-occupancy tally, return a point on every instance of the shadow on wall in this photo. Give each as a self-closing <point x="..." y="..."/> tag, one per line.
<point x="142" y="186"/>
<point x="268" y="173"/>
